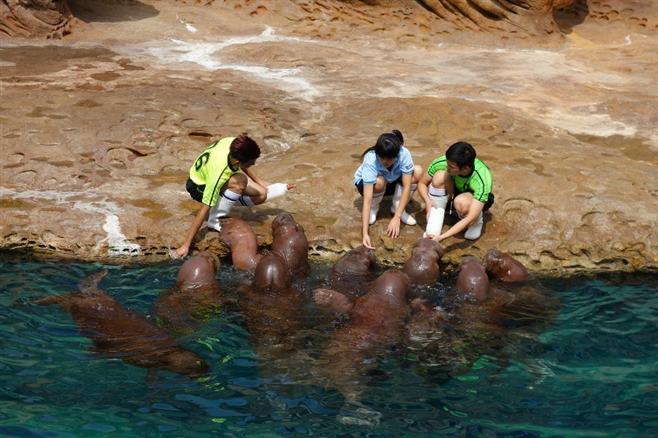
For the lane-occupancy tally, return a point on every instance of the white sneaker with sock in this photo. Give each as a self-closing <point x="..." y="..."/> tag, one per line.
<point x="226" y="202"/>
<point x="405" y="217"/>
<point x="475" y="229"/>
<point x="374" y="206"/>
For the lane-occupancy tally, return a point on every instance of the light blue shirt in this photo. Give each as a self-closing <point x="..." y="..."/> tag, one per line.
<point x="371" y="168"/>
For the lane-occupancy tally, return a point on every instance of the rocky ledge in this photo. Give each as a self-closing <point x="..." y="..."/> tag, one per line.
<point x="100" y="128"/>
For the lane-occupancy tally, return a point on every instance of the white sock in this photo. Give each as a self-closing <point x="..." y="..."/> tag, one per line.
<point x="436" y="191"/>
<point x="374" y="206"/>
<point x="246" y="201"/>
<point x="405" y="217"/>
<point x="226" y="202"/>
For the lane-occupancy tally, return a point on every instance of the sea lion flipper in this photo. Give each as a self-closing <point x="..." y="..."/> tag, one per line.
<point x="55" y="299"/>
<point x="90" y="283"/>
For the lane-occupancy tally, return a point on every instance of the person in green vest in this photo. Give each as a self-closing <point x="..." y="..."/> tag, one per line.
<point x="468" y="181"/>
<point x="221" y="177"/>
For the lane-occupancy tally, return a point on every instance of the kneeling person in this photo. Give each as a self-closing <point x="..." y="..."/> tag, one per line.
<point x="468" y="180"/>
<point x="215" y="181"/>
<point x="386" y="169"/>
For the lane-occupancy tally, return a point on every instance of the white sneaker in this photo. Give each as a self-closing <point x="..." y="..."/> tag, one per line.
<point x="405" y="217"/>
<point x="374" y="207"/>
<point x="475" y="229"/>
<point x="213" y="224"/>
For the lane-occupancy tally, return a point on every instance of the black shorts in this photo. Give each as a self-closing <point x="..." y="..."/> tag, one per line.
<point x="195" y="190"/>
<point x="487" y="205"/>
<point x="390" y="187"/>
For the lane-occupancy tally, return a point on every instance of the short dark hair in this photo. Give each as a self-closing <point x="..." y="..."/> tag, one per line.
<point x="244" y="149"/>
<point x="388" y="145"/>
<point x="461" y="153"/>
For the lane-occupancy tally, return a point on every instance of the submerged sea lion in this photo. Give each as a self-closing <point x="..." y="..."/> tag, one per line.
<point x="375" y="322"/>
<point x="238" y="235"/>
<point x="333" y="300"/>
<point x="423" y="264"/>
<point x="472" y="279"/>
<point x="352" y="270"/>
<point x="118" y="332"/>
<point x="504" y="267"/>
<point x="196" y="293"/>
<point x="271" y="274"/>
<point x="289" y="241"/>
<point x="272" y="314"/>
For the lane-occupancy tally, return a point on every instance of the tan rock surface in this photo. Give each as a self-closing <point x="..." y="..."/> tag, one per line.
<point x="98" y="130"/>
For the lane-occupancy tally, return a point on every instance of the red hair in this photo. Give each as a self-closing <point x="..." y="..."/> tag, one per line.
<point x="244" y="149"/>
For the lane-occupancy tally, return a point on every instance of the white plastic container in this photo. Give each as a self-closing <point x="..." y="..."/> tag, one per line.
<point x="435" y="222"/>
<point x="276" y="190"/>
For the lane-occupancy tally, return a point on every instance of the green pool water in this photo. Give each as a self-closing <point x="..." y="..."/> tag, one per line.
<point x="590" y="369"/>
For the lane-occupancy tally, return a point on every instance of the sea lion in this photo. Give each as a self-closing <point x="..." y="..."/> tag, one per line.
<point x="289" y="241"/>
<point x="195" y="295"/>
<point x="335" y="301"/>
<point x="426" y="321"/>
<point x="472" y="279"/>
<point x="423" y="264"/>
<point x="375" y="322"/>
<point x="239" y="236"/>
<point x="352" y="270"/>
<point x="118" y="332"/>
<point x="272" y="314"/>
<point x="271" y="274"/>
<point x="504" y="267"/>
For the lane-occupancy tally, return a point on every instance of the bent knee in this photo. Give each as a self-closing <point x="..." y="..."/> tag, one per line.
<point x="439" y="179"/>
<point x="462" y="203"/>
<point x="380" y="184"/>
<point x="417" y="174"/>
<point x="237" y="183"/>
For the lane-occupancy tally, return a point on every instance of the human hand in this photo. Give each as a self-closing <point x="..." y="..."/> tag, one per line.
<point x="292" y="186"/>
<point x="393" y="229"/>
<point x="179" y="253"/>
<point x="366" y="242"/>
<point x="437" y="237"/>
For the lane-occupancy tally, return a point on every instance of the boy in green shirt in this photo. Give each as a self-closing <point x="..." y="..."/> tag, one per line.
<point x="459" y="174"/>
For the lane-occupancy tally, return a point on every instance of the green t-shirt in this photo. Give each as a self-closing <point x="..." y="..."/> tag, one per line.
<point x="479" y="182"/>
<point x="212" y="169"/>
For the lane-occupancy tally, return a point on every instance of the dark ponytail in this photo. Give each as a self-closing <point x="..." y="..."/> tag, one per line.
<point x="388" y="145"/>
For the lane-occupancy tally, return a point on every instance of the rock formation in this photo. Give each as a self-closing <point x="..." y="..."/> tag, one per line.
<point x="35" y="18"/>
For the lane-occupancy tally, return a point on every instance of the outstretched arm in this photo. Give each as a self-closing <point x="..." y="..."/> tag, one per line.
<point x="473" y="212"/>
<point x="423" y="191"/>
<point x="255" y="178"/>
<point x="393" y="229"/>
<point x="184" y="249"/>
<point x="368" y="190"/>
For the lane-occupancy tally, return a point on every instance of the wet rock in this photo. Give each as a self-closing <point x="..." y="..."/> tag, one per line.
<point x="99" y="131"/>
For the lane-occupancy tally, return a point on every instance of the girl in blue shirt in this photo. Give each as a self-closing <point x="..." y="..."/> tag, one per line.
<point x="387" y="169"/>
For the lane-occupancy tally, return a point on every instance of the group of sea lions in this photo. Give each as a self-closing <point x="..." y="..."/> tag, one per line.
<point x="370" y="314"/>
